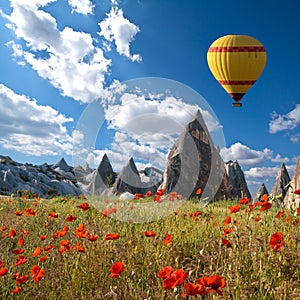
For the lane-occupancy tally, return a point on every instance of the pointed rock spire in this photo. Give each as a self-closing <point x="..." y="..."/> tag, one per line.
<point x="281" y="182"/>
<point x="260" y="192"/>
<point x="292" y="199"/>
<point x="238" y="184"/>
<point x="101" y="178"/>
<point x="194" y="163"/>
<point x="128" y="180"/>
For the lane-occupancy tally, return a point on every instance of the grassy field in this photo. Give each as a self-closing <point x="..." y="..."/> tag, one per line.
<point x="46" y="252"/>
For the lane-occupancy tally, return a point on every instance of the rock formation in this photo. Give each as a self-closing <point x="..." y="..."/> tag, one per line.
<point x="128" y="180"/>
<point x="291" y="199"/>
<point x="282" y="179"/>
<point x="194" y="163"/>
<point x="100" y="179"/>
<point x="44" y="180"/>
<point x="260" y="192"/>
<point x="238" y="184"/>
<point x="151" y="179"/>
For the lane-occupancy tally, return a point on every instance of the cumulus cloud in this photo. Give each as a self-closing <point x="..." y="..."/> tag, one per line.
<point x="116" y="28"/>
<point x="245" y="155"/>
<point x="263" y="172"/>
<point x="67" y="58"/>
<point x="81" y="6"/>
<point x="33" y="129"/>
<point x="287" y="121"/>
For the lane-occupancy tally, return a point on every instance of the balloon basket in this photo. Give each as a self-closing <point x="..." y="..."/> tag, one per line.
<point x="236" y="104"/>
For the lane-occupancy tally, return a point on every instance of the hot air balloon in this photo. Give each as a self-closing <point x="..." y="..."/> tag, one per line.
<point x="236" y="61"/>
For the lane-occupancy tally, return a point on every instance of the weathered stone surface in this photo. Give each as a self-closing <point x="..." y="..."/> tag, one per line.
<point x="128" y="180"/>
<point x="238" y="184"/>
<point x="151" y="179"/>
<point x="42" y="180"/>
<point x="282" y="179"/>
<point x="100" y="179"/>
<point x="260" y="192"/>
<point x="291" y="199"/>
<point x="194" y="163"/>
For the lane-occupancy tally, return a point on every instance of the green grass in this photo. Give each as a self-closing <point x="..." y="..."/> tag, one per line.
<point x="250" y="267"/>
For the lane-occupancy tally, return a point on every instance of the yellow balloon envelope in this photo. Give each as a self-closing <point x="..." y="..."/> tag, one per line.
<point x="236" y="61"/>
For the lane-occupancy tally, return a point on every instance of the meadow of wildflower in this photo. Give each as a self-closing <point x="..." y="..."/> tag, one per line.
<point x="70" y="248"/>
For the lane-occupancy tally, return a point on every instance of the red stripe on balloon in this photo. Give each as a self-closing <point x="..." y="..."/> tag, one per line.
<point x="237" y="82"/>
<point x="237" y="49"/>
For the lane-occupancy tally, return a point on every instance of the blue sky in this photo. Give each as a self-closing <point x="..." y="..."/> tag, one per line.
<point x="64" y="65"/>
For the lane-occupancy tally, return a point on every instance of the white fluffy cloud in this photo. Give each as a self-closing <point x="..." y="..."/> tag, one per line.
<point x="288" y="121"/>
<point x="116" y="28"/>
<point x="81" y="6"/>
<point x="33" y="129"/>
<point x="263" y="172"/>
<point x="245" y="155"/>
<point x="67" y="58"/>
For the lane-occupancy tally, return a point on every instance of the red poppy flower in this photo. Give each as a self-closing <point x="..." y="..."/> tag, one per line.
<point x="195" y="289"/>
<point x="213" y="283"/>
<point x="257" y="219"/>
<point x="199" y="192"/>
<point x="43" y="258"/>
<point x="116" y="269"/>
<point x="265" y="206"/>
<point x="158" y="199"/>
<point x="37" y="273"/>
<point x="3" y="228"/>
<point x="53" y="215"/>
<point x="176" y="278"/>
<point x="264" y="197"/>
<point x="42" y="237"/>
<point x="16" y="290"/>
<point x="21" y="260"/>
<point x="297" y="192"/>
<point x="80" y="232"/>
<point x="148" y="194"/>
<point x="84" y="206"/>
<point x="227" y="220"/>
<point x="70" y="218"/>
<point x="138" y="196"/>
<point x="227" y="231"/>
<point x="160" y="192"/>
<point x="93" y="237"/>
<point x="226" y="243"/>
<point x="112" y="236"/>
<point x="79" y="247"/>
<point x="3" y="271"/>
<point x="26" y="232"/>
<point x="149" y="233"/>
<point x="296" y="222"/>
<point x="48" y="248"/>
<point x="13" y="233"/>
<point x="234" y="209"/>
<point x="37" y="251"/>
<point x="109" y="211"/>
<point x="168" y="239"/>
<point x="22" y="279"/>
<point x="29" y="212"/>
<point x="244" y="200"/>
<point x="287" y="219"/>
<point x="2" y="262"/>
<point x="18" y="213"/>
<point x="18" y="251"/>
<point x="276" y="241"/>
<point x="21" y="241"/>
<point x="165" y="272"/>
<point x="279" y="214"/>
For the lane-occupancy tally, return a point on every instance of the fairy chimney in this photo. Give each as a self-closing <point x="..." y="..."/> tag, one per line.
<point x="291" y="199"/>
<point x="238" y="184"/>
<point x="194" y="162"/>
<point x="128" y="179"/>
<point x="280" y="186"/>
<point x="260" y="192"/>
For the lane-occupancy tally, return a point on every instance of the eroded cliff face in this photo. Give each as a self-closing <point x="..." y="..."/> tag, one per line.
<point x="194" y="163"/>
<point x="291" y="199"/>
<point x="282" y="179"/>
